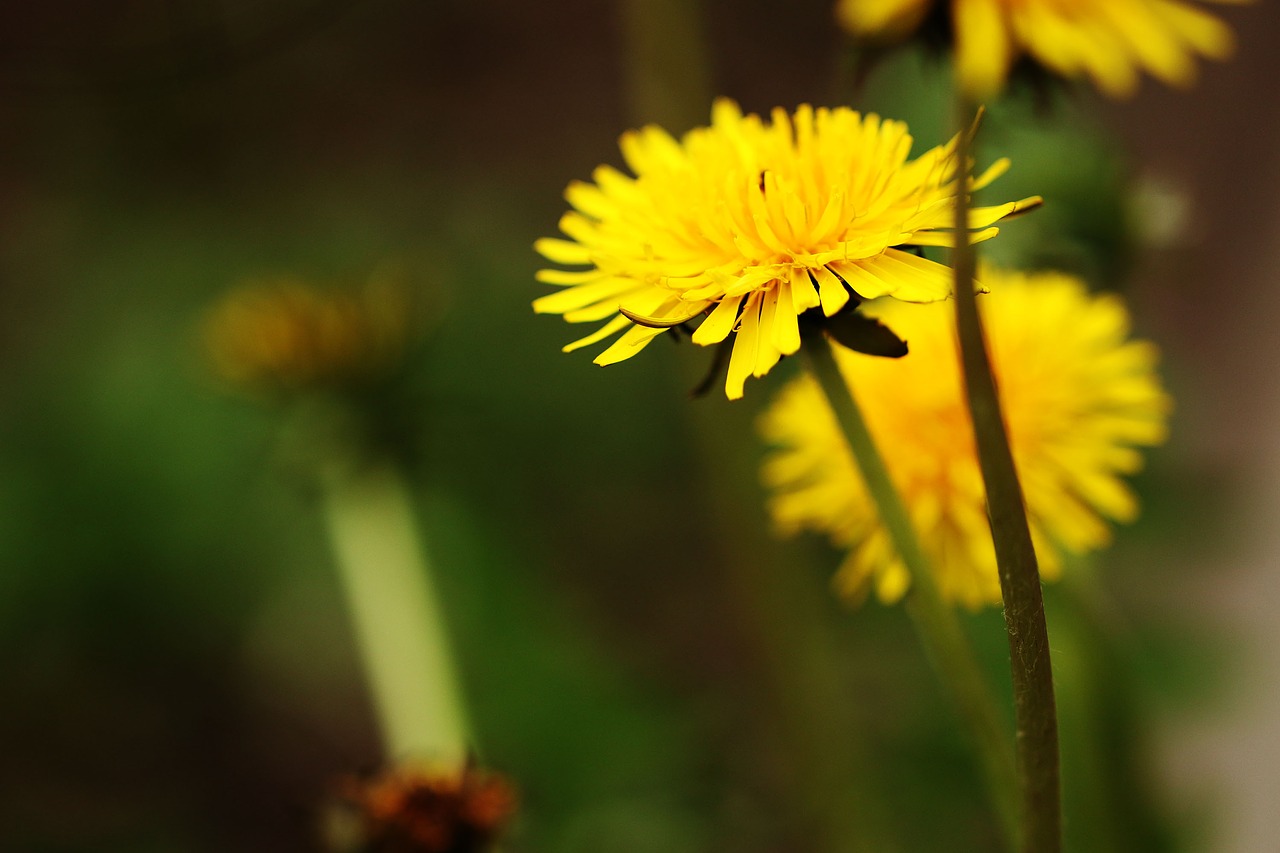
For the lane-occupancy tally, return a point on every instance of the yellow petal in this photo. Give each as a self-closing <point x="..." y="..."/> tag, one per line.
<point x="983" y="51"/>
<point x="632" y="341"/>
<point x="881" y="18"/>
<point x="786" y="335"/>
<point x="583" y="295"/>
<point x="981" y="217"/>
<point x="1205" y="33"/>
<point x="569" y="277"/>
<point x="864" y="282"/>
<point x="743" y="358"/>
<point x="945" y="238"/>
<point x="719" y="322"/>
<point x="616" y="324"/>
<point x="803" y="294"/>
<point x="562" y="251"/>
<point x="917" y="279"/>
<point x="831" y="290"/>
<point x="767" y="352"/>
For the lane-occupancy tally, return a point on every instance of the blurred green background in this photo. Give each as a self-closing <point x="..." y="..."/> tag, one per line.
<point x="656" y="672"/>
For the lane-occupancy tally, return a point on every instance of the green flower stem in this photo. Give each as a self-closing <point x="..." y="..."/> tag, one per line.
<point x="397" y="621"/>
<point x="1035" y="712"/>
<point x="941" y="634"/>
<point x="828" y="793"/>
<point x="664" y="63"/>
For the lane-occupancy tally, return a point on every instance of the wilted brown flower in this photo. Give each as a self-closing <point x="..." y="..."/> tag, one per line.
<point x="411" y="809"/>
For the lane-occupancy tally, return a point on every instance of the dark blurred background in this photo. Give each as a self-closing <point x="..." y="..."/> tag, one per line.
<point x="655" y="671"/>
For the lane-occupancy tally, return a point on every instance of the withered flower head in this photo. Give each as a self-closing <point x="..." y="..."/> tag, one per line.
<point x="412" y="809"/>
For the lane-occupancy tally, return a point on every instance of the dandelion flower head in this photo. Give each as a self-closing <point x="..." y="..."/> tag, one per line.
<point x="1108" y="41"/>
<point x="283" y="334"/>
<point x="1079" y="398"/>
<point x="750" y="224"/>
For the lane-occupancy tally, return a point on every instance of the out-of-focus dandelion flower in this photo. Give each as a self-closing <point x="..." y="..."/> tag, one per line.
<point x="1108" y="41"/>
<point x="418" y="810"/>
<point x="283" y="335"/>
<point x="1079" y="398"/>
<point x="754" y="224"/>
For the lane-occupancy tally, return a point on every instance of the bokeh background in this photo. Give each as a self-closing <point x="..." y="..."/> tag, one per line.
<point x="656" y="671"/>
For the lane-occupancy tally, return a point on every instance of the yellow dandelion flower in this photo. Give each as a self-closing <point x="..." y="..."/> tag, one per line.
<point x="1079" y="398"/>
<point x="282" y="334"/>
<point x="1109" y="41"/>
<point x="754" y="224"/>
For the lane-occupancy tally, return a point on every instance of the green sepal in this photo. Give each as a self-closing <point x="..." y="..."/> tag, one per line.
<point x="860" y="333"/>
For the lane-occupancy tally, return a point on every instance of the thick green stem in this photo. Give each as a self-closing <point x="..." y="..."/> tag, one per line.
<point x="1035" y="712"/>
<point x="399" y="626"/>
<point x="940" y="631"/>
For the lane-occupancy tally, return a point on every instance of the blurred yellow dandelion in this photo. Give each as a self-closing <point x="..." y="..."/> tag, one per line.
<point x="754" y="224"/>
<point x="1079" y="398"/>
<point x="282" y="334"/>
<point x="1109" y="41"/>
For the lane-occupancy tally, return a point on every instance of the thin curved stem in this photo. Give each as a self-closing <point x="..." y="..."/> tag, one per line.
<point x="1035" y="709"/>
<point x="944" y="640"/>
